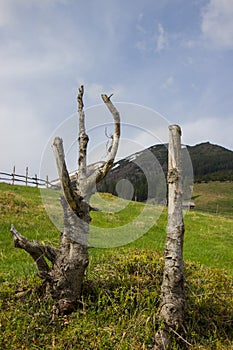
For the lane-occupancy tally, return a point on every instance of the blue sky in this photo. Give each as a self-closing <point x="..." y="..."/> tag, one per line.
<point x="172" y="56"/>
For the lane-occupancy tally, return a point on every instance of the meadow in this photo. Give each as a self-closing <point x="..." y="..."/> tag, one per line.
<point x="214" y="197"/>
<point x="122" y="285"/>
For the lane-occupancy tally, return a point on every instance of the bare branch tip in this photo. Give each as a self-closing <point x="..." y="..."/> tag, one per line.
<point x="81" y="90"/>
<point x="106" y="98"/>
<point x="175" y="126"/>
<point x="80" y="97"/>
<point x="57" y="140"/>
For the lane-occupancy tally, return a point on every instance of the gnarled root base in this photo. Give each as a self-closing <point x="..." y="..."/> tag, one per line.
<point x="65" y="277"/>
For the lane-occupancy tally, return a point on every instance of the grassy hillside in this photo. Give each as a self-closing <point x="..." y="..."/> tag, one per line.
<point x="122" y="286"/>
<point x="119" y="307"/>
<point x="215" y="197"/>
<point x="22" y="206"/>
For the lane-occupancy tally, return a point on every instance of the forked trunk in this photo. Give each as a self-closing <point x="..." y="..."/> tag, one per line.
<point x="69" y="261"/>
<point x="66" y="277"/>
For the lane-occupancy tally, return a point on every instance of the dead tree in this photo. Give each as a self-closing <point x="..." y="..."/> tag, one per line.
<point x="69" y="261"/>
<point x="172" y="306"/>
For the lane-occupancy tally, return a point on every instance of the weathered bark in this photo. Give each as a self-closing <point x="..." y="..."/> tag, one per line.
<point x="70" y="260"/>
<point x="37" y="251"/>
<point x="100" y="173"/>
<point x="172" y="307"/>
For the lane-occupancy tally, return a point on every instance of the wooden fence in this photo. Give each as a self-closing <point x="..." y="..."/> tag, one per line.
<point x="24" y="179"/>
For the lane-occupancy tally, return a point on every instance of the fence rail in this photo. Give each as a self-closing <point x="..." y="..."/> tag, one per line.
<point x="26" y="179"/>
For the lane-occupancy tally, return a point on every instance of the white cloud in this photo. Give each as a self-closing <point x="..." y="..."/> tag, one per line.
<point x="6" y="13"/>
<point x="213" y="129"/>
<point x="22" y="138"/>
<point x="47" y="47"/>
<point x="217" y="23"/>
<point x="51" y="52"/>
<point x="162" y="41"/>
<point x="23" y="67"/>
<point x="93" y="92"/>
<point x="151" y="40"/>
<point x="139" y="26"/>
<point x="141" y="45"/>
<point x="168" y="83"/>
<point x="9" y="8"/>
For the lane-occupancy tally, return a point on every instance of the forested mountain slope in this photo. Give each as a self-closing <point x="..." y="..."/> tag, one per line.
<point x="209" y="162"/>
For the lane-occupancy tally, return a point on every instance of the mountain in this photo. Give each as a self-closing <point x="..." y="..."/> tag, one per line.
<point x="211" y="162"/>
<point x="203" y="162"/>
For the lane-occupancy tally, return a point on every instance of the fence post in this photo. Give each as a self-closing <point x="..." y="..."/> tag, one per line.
<point x="36" y="180"/>
<point x="26" y="176"/>
<point x="47" y="181"/>
<point x="13" y="176"/>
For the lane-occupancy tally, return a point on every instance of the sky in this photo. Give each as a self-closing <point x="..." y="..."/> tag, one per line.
<point x="173" y="59"/>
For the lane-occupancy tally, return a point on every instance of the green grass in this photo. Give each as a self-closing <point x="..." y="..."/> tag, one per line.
<point x="214" y="196"/>
<point x="22" y="207"/>
<point x="120" y="222"/>
<point x="208" y="237"/>
<point x="118" y="309"/>
<point x="122" y="286"/>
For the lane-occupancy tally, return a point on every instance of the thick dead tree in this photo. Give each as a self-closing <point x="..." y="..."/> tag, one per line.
<point x="172" y="306"/>
<point x="70" y="260"/>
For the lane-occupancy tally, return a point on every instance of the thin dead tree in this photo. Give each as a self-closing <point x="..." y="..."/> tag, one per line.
<point x="69" y="261"/>
<point x="172" y="306"/>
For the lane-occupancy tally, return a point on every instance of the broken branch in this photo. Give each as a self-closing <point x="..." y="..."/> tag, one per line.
<point x="36" y="250"/>
<point x="63" y="173"/>
<point x="100" y="173"/>
<point x="83" y="138"/>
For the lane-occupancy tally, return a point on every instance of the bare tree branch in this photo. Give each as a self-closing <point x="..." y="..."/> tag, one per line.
<point x="100" y="173"/>
<point x="82" y="139"/>
<point x="63" y="173"/>
<point x="36" y="250"/>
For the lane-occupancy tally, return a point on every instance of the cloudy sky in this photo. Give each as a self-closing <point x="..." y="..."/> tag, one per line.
<point x="171" y="56"/>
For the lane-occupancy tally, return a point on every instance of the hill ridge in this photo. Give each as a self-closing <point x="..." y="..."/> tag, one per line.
<point x="209" y="162"/>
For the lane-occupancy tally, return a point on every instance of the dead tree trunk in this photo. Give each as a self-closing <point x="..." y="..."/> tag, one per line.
<point x="172" y="305"/>
<point x="70" y="260"/>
